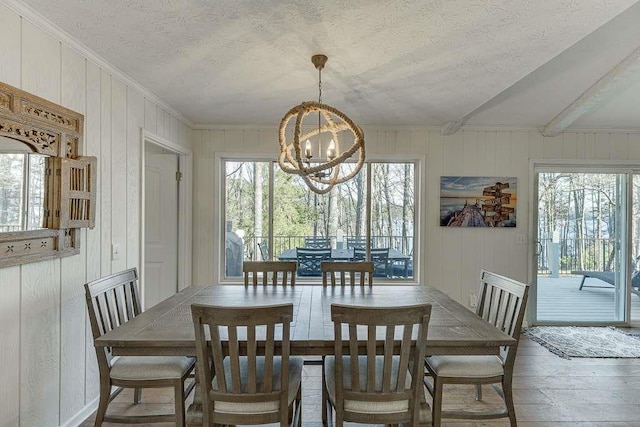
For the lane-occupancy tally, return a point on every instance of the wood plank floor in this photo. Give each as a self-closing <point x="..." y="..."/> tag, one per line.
<point x="548" y="391"/>
<point x="561" y="299"/>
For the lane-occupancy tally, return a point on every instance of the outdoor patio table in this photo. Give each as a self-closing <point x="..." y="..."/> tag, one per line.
<point x="346" y="254"/>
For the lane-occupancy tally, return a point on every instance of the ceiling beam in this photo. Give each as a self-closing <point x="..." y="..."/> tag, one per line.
<point x="600" y="91"/>
<point x="452" y="127"/>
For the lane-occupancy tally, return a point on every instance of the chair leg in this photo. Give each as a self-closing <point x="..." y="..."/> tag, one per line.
<point x="299" y="406"/>
<point x="508" y="400"/>
<point x="105" y="391"/>
<point x="137" y="395"/>
<point x="178" y="391"/>
<point x="436" y="411"/>
<point x="478" y="391"/>
<point x="325" y="397"/>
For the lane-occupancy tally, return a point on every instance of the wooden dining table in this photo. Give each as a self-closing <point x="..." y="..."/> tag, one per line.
<point x="167" y="328"/>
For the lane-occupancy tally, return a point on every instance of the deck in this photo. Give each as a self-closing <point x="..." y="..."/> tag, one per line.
<point x="559" y="299"/>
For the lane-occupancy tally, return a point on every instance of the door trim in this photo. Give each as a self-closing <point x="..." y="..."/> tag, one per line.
<point x="596" y="166"/>
<point x="185" y="165"/>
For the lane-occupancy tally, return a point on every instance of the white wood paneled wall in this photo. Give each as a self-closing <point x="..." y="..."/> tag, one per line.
<point x="452" y="258"/>
<point x="48" y="370"/>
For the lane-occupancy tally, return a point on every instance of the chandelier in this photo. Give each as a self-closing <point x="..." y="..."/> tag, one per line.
<point x="320" y="173"/>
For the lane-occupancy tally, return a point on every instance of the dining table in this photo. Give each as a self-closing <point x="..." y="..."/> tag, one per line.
<point x="167" y="328"/>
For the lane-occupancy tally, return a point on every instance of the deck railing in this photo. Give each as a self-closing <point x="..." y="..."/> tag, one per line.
<point x="577" y="254"/>
<point x="282" y="243"/>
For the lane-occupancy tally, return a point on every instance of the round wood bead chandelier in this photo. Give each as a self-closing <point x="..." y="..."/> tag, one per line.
<point x="320" y="174"/>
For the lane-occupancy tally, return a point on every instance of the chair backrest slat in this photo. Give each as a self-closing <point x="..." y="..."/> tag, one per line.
<point x="388" y="361"/>
<point x="361" y="270"/>
<point x="265" y="272"/>
<point x="252" y="347"/>
<point x="234" y="359"/>
<point x="391" y="353"/>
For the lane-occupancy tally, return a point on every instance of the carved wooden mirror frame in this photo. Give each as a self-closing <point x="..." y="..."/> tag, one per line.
<point x="70" y="180"/>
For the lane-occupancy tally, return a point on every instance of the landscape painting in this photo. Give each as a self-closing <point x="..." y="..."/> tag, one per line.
<point x="478" y="201"/>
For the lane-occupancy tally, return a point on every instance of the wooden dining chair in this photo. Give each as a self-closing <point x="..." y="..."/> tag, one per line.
<point x="502" y="303"/>
<point x="372" y="383"/>
<point x="345" y="273"/>
<point x="273" y="272"/>
<point x="309" y="260"/>
<point x="251" y="388"/>
<point x="112" y="301"/>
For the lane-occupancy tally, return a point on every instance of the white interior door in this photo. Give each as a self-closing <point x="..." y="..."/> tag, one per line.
<point x="161" y="226"/>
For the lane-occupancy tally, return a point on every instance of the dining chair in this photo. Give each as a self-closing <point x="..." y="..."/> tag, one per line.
<point x="356" y="242"/>
<point x="112" y="301"/>
<point x="309" y="260"/>
<point x="264" y="250"/>
<point x="251" y="388"/>
<point x="317" y="242"/>
<point x="376" y="379"/>
<point x="265" y="272"/>
<point x="502" y="303"/>
<point x="379" y="257"/>
<point x="345" y="273"/>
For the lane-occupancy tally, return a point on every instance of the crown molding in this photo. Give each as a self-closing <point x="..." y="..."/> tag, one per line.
<point x="26" y="12"/>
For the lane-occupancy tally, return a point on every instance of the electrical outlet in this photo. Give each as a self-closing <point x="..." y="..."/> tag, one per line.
<point x="473" y="300"/>
<point x="115" y="251"/>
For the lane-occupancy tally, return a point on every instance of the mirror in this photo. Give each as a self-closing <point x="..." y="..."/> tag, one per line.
<point x="47" y="188"/>
<point x="22" y="187"/>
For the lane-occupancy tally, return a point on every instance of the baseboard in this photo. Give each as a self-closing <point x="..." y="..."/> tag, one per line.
<point x="83" y="414"/>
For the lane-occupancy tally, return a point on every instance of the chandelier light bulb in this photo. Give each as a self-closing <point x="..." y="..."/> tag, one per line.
<point x="307" y="149"/>
<point x="331" y="150"/>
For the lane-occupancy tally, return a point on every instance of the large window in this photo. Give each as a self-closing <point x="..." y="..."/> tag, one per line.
<point x="270" y="215"/>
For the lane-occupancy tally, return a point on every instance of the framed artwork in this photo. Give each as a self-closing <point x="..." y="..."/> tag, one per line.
<point x="478" y="201"/>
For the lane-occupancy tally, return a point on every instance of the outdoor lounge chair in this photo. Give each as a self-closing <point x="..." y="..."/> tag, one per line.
<point x="607" y="277"/>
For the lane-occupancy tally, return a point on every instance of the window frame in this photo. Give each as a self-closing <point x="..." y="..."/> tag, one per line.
<point x="419" y="212"/>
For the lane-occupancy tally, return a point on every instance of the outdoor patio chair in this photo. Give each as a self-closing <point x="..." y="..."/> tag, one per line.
<point x="254" y="388"/>
<point x="309" y="260"/>
<point x="317" y="242"/>
<point x="264" y="250"/>
<point x="356" y="242"/>
<point x="346" y="273"/>
<point x="273" y="272"/>
<point x="366" y="383"/>
<point x="502" y="303"/>
<point x="379" y="257"/>
<point x="112" y="301"/>
<point x="607" y="277"/>
<point x="398" y="268"/>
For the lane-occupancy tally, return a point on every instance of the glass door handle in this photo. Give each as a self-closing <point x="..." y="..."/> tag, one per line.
<point x="538" y="248"/>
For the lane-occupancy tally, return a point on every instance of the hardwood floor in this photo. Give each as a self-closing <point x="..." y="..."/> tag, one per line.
<point x="548" y="391"/>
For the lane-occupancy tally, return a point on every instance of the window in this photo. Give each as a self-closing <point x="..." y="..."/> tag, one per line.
<point x="257" y="229"/>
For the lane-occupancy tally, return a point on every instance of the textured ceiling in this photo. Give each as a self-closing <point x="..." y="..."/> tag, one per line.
<point x="420" y="62"/>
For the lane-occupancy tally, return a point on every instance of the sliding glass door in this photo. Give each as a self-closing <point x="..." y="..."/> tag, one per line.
<point x="584" y="257"/>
